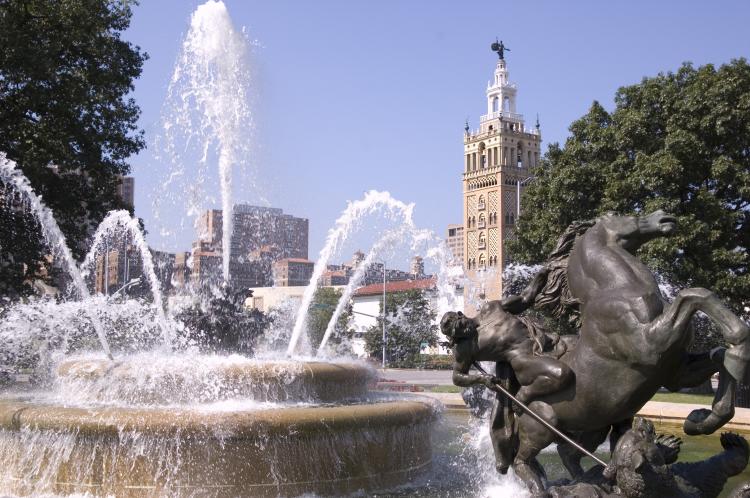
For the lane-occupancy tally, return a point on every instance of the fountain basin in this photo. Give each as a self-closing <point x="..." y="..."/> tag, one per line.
<point x="149" y="380"/>
<point x="135" y="452"/>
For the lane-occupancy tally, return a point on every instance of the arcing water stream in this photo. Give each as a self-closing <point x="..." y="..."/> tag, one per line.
<point x="108" y="227"/>
<point x="344" y="225"/>
<point x="54" y="236"/>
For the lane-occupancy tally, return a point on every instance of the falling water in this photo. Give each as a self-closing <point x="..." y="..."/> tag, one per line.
<point x="387" y="240"/>
<point x="208" y="103"/>
<point x="449" y="275"/>
<point x="108" y="226"/>
<point x="55" y="238"/>
<point x="337" y="235"/>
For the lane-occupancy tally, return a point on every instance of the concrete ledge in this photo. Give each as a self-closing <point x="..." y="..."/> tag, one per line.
<point x="658" y="411"/>
<point x="676" y="413"/>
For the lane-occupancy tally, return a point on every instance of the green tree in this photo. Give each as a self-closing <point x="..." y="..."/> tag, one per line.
<point x="321" y="311"/>
<point x="65" y="77"/>
<point x="679" y="142"/>
<point x="410" y="324"/>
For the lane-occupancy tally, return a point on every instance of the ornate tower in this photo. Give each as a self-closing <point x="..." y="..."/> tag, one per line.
<point x="497" y="164"/>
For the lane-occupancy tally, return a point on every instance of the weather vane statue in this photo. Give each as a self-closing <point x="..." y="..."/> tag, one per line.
<point x="499" y="48"/>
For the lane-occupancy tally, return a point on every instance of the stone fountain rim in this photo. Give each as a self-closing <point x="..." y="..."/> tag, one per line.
<point x="243" y="424"/>
<point x="312" y="368"/>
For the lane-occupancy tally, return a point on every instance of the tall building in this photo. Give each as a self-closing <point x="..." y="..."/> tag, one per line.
<point x="497" y="163"/>
<point x="292" y="272"/>
<point x="455" y="242"/>
<point x="255" y="227"/>
<point x="126" y="190"/>
<point x="182" y="270"/>
<point x="260" y="236"/>
<point x="416" y="267"/>
<point x="121" y="269"/>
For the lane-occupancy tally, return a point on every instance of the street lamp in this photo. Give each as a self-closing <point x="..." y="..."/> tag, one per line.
<point x="384" y="336"/>
<point x="133" y="282"/>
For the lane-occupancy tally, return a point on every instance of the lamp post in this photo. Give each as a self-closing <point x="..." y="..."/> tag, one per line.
<point x="106" y="267"/>
<point x="129" y="284"/>
<point x="384" y="337"/>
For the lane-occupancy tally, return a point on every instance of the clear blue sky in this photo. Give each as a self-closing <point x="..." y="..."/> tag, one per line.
<point x="356" y="95"/>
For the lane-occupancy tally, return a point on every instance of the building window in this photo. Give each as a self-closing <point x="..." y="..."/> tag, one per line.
<point x="495" y="104"/>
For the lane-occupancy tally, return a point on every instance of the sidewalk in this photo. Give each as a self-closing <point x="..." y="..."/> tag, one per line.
<point x="657" y="411"/>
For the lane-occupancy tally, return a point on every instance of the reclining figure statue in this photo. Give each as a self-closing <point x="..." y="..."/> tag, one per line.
<point x="642" y="466"/>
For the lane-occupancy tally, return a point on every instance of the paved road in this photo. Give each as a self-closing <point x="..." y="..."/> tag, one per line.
<point x="435" y="377"/>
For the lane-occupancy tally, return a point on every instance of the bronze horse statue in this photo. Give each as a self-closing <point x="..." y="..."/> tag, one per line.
<point x="631" y="342"/>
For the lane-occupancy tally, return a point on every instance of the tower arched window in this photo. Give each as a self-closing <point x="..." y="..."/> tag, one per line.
<point x="482" y="261"/>
<point x="482" y="221"/>
<point x="495" y="104"/>
<point x="506" y="104"/>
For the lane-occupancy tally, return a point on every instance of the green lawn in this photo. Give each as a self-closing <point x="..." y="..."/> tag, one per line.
<point x="443" y="389"/>
<point x="698" y="399"/>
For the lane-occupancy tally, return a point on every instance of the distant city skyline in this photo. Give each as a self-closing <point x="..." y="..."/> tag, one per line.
<point x="352" y="97"/>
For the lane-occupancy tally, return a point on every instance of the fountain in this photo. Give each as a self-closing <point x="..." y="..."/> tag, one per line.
<point x="184" y="423"/>
<point x="156" y="414"/>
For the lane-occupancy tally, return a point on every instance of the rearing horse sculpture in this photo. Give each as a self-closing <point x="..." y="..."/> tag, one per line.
<point x="632" y="342"/>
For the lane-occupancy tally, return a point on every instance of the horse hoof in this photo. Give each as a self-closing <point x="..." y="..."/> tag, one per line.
<point x="703" y="421"/>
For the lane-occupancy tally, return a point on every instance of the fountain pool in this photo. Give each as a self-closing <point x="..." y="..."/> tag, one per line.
<point x="184" y="425"/>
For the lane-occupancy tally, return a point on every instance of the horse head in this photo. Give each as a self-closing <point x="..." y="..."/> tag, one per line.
<point x="631" y="232"/>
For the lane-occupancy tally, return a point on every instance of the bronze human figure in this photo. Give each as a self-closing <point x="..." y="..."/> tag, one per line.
<point x="499" y="48"/>
<point x="631" y="341"/>
<point x="498" y="336"/>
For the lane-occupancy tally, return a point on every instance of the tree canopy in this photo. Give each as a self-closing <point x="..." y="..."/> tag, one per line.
<point x="410" y="324"/>
<point x="65" y="79"/>
<point x="321" y="311"/>
<point x="678" y="142"/>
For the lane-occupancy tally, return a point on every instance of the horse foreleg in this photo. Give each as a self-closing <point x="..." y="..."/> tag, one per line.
<point x="571" y="457"/>
<point x="733" y="361"/>
<point x="677" y="317"/>
<point x="696" y="369"/>
<point x="704" y="421"/>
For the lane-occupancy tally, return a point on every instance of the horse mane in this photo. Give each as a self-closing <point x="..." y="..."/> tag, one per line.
<point x="556" y="295"/>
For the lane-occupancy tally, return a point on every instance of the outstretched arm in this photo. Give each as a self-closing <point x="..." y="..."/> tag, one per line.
<point x="522" y="302"/>
<point x="461" y="375"/>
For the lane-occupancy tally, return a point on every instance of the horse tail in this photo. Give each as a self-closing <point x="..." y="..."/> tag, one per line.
<point x="556" y="295"/>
